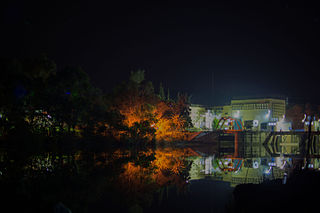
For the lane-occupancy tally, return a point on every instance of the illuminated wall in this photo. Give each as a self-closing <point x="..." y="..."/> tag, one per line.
<point x="203" y="116"/>
<point x="260" y="110"/>
<point x="197" y="115"/>
<point x="223" y="111"/>
<point x="256" y="110"/>
<point x="315" y="125"/>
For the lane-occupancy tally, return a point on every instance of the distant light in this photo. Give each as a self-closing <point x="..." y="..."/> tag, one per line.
<point x="305" y="116"/>
<point x="284" y="181"/>
<point x="285" y="162"/>
<point x="68" y="93"/>
<point x="268" y="114"/>
<point x="268" y="171"/>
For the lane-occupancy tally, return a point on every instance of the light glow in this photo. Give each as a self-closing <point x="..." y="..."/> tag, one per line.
<point x="268" y="170"/>
<point x="303" y="120"/>
<point x="268" y="114"/>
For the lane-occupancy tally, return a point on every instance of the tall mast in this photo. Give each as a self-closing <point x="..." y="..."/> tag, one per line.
<point x="212" y="84"/>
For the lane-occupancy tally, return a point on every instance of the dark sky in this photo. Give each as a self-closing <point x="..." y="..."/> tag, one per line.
<point x="259" y="49"/>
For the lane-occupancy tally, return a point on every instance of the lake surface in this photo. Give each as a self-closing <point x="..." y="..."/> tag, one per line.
<point x="192" y="178"/>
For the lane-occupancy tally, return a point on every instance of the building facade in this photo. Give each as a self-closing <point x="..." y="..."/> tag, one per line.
<point x="254" y="113"/>
<point x="201" y="116"/>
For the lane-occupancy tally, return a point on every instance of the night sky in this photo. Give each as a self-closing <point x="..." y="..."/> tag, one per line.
<point x="260" y="49"/>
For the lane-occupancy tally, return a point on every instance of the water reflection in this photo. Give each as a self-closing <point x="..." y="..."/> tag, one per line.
<point x="84" y="181"/>
<point x="149" y="179"/>
<point x="255" y="157"/>
<point x="239" y="170"/>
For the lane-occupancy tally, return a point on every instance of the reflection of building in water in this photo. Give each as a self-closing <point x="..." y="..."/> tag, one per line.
<point x="260" y="156"/>
<point x="208" y="168"/>
<point x="238" y="171"/>
<point x="261" y="143"/>
<point x="292" y="143"/>
<point x="256" y="114"/>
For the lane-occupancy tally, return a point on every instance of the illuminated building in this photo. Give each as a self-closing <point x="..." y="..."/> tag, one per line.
<point x="253" y="112"/>
<point x="256" y="114"/>
<point x="315" y="124"/>
<point x="201" y="116"/>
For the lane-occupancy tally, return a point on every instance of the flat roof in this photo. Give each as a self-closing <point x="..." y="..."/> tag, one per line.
<point x="244" y="98"/>
<point x="279" y="97"/>
<point x="258" y="101"/>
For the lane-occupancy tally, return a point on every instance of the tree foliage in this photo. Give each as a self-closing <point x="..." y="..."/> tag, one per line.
<point x="52" y="102"/>
<point x="138" y="103"/>
<point x="161" y="92"/>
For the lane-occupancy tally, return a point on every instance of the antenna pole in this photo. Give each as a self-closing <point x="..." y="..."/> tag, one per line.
<point x="212" y="84"/>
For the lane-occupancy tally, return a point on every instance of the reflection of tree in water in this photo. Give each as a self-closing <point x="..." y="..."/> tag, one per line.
<point x="90" y="181"/>
<point x="140" y="181"/>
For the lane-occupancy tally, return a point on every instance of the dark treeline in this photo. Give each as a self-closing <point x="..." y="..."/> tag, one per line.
<point x="39" y="103"/>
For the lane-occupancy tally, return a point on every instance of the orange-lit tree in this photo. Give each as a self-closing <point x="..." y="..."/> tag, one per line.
<point x="169" y="125"/>
<point x="149" y="116"/>
<point x="135" y="100"/>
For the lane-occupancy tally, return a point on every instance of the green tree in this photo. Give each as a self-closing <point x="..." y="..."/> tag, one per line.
<point x="161" y="92"/>
<point x="137" y="76"/>
<point x="183" y="107"/>
<point x="69" y="96"/>
<point x="215" y="124"/>
<point x="22" y="81"/>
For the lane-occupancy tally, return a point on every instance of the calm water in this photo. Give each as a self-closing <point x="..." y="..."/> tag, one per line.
<point x="199" y="177"/>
